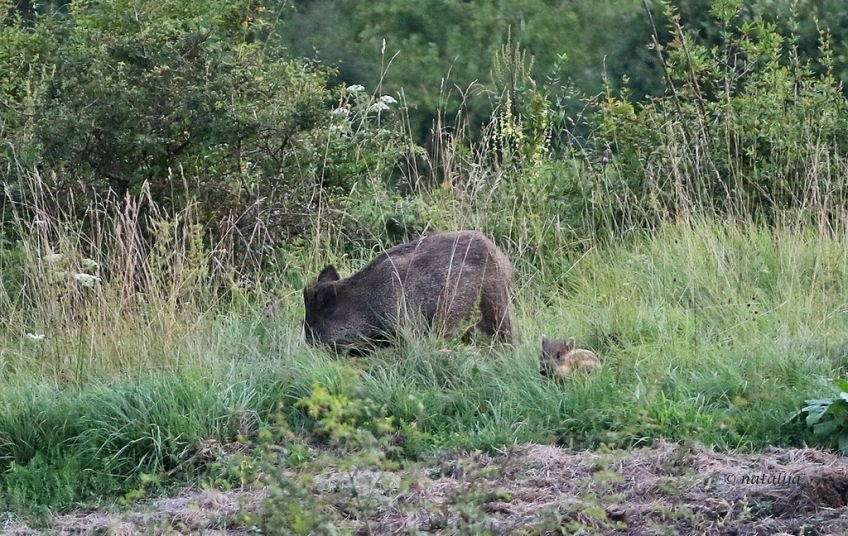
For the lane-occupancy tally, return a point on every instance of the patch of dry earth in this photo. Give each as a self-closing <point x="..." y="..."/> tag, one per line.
<point x="536" y="489"/>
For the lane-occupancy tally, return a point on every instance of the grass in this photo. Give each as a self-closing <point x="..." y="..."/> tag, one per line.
<point x="711" y="332"/>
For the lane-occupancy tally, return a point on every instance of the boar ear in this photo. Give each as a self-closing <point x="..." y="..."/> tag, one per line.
<point x="569" y="344"/>
<point x="328" y="274"/>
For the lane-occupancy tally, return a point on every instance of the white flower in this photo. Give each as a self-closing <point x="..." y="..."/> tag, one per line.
<point x="87" y="280"/>
<point x="378" y="106"/>
<point x="53" y="258"/>
<point x="39" y="222"/>
<point x="89" y="264"/>
<point x="340" y="112"/>
<point x="355" y="88"/>
<point x="388" y="99"/>
<point x="36" y="336"/>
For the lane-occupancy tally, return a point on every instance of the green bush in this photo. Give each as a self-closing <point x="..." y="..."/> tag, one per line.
<point x="746" y="128"/>
<point x="182" y="101"/>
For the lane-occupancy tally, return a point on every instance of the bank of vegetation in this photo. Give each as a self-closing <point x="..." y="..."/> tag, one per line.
<point x="168" y="167"/>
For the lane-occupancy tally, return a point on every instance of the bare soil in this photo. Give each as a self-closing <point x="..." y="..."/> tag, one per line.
<point x="529" y="489"/>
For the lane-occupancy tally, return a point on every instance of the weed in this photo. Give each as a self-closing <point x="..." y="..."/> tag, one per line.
<point x="827" y="418"/>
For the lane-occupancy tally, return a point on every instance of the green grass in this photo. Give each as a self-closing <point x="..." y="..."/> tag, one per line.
<point x="713" y="333"/>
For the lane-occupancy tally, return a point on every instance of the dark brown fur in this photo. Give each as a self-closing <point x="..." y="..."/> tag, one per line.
<point x="438" y="278"/>
<point x="560" y="358"/>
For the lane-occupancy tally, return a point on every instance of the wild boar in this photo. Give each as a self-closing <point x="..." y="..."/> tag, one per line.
<point x="560" y="358"/>
<point x="437" y="280"/>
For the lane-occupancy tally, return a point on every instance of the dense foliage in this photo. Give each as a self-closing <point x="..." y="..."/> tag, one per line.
<point x="440" y="53"/>
<point x="181" y="101"/>
<point x="750" y="127"/>
<point x="208" y="104"/>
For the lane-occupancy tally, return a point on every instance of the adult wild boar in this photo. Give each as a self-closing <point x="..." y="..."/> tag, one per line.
<point x="438" y="279"/>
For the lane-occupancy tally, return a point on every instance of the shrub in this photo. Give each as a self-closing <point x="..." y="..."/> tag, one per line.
<point x="746" y="128"/>
<point x="188" y="103"/>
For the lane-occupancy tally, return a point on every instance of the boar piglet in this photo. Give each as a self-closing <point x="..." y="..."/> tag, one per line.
<point x="560" y="358"/>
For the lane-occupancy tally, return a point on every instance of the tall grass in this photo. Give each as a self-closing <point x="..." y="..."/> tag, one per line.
<point x="708" y="331"/>
<point x="123" y="290"/>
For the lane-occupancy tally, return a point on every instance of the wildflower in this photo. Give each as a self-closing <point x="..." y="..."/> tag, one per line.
<point x="378" y="106"/>
<point x="388" y="99"/>
<point x="340" y="112"/>
<point x="36" y="336"/>
<point x="355" y="88"/>
<point x="53" y="258"/>
<point x="87" y="280"/>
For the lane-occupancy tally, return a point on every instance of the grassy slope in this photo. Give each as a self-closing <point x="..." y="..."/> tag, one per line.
<point x="712" y="334"/>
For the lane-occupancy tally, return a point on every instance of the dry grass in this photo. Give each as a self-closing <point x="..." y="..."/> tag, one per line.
<point x="537" y="489"/>
<point x="94" y="292"/>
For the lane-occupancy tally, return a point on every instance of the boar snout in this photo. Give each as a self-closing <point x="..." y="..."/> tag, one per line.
<point x="546" y="368"/>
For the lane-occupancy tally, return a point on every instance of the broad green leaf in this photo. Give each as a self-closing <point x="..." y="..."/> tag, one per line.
<point x="841" y="384"/>
<point x="827" y="428"/>
<point x="814" y="414"/>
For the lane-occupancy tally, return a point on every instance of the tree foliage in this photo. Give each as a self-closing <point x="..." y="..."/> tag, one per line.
<point x="440" y="53"/>
<point x="751" y="127"/>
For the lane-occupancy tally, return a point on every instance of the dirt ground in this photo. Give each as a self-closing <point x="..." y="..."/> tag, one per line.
<point x="532" y="489"/>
